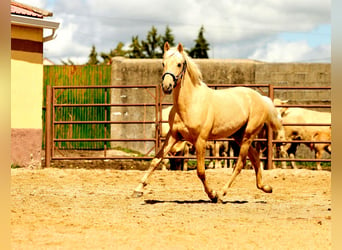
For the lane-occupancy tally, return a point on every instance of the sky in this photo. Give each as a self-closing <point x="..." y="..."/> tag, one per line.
<point x="265" y="30"/>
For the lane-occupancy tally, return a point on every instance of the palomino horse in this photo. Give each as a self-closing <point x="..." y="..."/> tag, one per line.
<point x="200" y="113"/>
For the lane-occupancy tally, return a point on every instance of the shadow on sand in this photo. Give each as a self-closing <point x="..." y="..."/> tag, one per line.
<point x="152" y="202"/>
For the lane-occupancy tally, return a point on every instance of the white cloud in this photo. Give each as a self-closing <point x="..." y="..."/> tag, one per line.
<point x="35" y="3"/>
<point x="64" y="46"/>
<point x="299" y="51"/>
<point x="234" y="29"/>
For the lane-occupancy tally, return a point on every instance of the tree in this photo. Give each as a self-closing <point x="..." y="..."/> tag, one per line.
<point x="151" y="44"/>
<point x="136" y="48"/>
<point x="167" y="37"/>
<point x="69" y="62"/>
<point x="107" y="58"/>
<point x="118" y="51"/>
<point x="201" y="46"/>
<point x="93" y="57"/>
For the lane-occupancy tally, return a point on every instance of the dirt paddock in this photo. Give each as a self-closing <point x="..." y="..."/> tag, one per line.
<point x="56" y="208"/>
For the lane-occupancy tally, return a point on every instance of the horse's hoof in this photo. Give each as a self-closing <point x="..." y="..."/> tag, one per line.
<point x="267" y="189"/>
<point x="137" y="194"/>
<point x="216" y="198"/>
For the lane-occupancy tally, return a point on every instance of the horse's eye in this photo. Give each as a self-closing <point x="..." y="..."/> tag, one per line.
<point x="179" y="65"/>
<point x="163" y="65"/>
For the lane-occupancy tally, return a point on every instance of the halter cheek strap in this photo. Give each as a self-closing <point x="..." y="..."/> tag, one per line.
<point x="176" y="78"/>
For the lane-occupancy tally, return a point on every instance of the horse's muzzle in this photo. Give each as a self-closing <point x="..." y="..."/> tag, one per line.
<point x="167" y="88"/>
<point x="169" y="81"/>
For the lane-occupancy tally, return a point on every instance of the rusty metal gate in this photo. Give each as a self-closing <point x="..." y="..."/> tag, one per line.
<point x="156" y="102"/>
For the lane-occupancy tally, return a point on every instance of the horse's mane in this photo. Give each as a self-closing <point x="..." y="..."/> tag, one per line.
<point x="192" y="69"/>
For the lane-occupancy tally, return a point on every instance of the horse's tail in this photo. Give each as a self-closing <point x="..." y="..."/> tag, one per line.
<point x="274" y="118"/>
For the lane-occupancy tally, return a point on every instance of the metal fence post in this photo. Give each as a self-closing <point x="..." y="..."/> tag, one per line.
<point x="270" y="136"/>
<point x="48" y="125"/>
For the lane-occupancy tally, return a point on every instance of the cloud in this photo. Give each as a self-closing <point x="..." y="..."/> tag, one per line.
<point x="64" y="46"/>
<point x="234" y="29"/>
<point x="283" y="51"/>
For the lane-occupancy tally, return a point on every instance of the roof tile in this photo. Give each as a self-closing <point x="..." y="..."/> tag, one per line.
<point x="27" y="10"/>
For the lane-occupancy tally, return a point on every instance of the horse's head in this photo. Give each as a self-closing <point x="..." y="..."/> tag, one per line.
<point x="174" y="65"/>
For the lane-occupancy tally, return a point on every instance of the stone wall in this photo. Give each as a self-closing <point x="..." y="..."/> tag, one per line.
<point x="214" y="71"/>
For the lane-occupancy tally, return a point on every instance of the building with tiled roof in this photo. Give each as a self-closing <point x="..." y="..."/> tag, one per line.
<point x="28" y="24"/>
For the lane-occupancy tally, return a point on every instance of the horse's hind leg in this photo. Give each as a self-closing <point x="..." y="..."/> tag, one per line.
<point x="247" y="149"/>
<point x="241" y="161"/>
<point x="168" y="144"/>
<point x="254" y="157"/>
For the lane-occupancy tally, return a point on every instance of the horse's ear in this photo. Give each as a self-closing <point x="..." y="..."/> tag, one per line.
<point x="180" y="47"/>
<point x="166" y="46"/>
<point x="284" y="111"/>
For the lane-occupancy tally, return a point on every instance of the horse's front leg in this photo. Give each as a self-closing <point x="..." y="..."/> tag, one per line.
<point x="200" y="154"/>
<point x="186" y="153"/>
<point x="170" y="141"/>
<point x="318" y="155"/>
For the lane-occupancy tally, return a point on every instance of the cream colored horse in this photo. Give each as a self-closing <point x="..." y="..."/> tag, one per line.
<point x="200" y="113"/>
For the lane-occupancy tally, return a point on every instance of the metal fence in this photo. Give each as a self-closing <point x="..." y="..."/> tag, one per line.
<point x="54" y="123"/>
<point x="325" y="107"/>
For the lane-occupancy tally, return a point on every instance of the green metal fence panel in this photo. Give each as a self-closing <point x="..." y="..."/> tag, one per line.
<point x="82" y="75"/>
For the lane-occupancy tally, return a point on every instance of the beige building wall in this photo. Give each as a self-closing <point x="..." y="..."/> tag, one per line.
<point x="26" y="95"/>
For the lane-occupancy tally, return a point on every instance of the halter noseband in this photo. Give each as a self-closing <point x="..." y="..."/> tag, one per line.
<point x="176" y="78"/>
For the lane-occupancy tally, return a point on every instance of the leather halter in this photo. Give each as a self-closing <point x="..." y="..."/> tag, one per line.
<point x="176" y="78"/>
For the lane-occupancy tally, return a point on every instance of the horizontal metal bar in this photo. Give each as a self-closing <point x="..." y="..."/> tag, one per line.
<point x="240" y="85"/>
<point x="226" y="139"/>
<point x="288" y="124"/>
<point x="137" y="157"/>
<point x="299" y="141"/>
<point x="169" y="104"/>
<point x="209" y="85"/>
<point x="142" y="122"/>
<point x="304" y="106"/>
<point x="104" y="158"/>
<point x="301" y="87"/>
<point x="209" y="157"/>
<point x="103" y="122"/>
<point x="154" y="86"/>
<point x="106" y="86"/>
<point x="301" y="160"/>
<point x="175" y="157"/>
<point x="105" y="105"/>
<point x="307" y="124"/>
<point x="101" y="139"/>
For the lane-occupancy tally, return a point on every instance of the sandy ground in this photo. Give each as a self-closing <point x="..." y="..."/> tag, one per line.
<point x="92" y="209"/>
